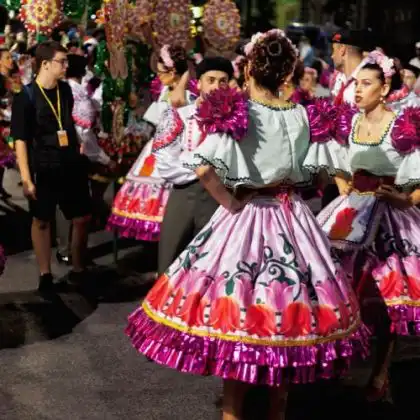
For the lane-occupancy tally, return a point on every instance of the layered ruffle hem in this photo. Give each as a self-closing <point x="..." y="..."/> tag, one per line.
<point x="256" y="297"/>
<point x="138" y="210"/>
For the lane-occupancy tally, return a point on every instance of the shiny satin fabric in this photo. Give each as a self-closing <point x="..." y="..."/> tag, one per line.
<point x="255" y="297"/>
<point x="380" y="247"/>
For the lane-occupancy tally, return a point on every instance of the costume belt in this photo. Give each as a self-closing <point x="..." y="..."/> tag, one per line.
<point x="365" y="182"/>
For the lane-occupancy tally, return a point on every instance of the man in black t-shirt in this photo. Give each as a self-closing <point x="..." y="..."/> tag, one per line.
<point x="53" y="170"/>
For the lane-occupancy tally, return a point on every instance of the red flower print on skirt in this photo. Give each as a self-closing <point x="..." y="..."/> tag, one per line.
<point x="412" y="268"/>
<point x="260" y="320"/>
<point x="160" y="293"/>
<point x="390" y="278"/>
<point x="225" y="315"/>
<point x="296" y="320"/>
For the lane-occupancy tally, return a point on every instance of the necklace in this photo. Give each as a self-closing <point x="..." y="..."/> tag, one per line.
<point x="369" y="125"/>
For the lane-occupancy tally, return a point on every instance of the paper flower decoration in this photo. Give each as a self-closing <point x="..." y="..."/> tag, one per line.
<point x="171" y="23"/>
<point x="221" y="24"/>
<point x="139" y="15"/>
<point x="116" y="12"/>
<point x="41" y="16"/>
<point x="100" y="16"/>
<point x="224" y="111"/>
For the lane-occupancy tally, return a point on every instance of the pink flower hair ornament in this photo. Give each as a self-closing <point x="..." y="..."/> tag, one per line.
<point x="259" y="36"/>
<point x="166" y="57"/>
<point x="311" y="71"/>
<point x="384" y="62"/>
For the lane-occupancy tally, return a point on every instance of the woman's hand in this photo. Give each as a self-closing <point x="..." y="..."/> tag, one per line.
<point x="344" y="186"/>
<point x="392" y="196"/>
<point x="237" y="204"/>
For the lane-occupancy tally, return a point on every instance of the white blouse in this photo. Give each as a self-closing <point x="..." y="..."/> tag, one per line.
<point x="155" y="111"/>
<point x="272" y="151"/>
<point x="380" y="159"/>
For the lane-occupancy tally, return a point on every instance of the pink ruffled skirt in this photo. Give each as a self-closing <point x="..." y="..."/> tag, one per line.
<point x="255" y="297"/>
<point x="380" y="247"/>
<point x="138" y="210"/>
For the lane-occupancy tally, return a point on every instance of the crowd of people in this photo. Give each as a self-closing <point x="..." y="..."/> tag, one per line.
<point x="254" y="285"/>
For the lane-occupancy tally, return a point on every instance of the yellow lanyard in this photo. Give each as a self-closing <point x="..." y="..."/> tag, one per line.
<point x="56" y="112"/>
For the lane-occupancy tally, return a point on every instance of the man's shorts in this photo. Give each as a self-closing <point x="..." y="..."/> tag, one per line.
<point x="63" y="187"/>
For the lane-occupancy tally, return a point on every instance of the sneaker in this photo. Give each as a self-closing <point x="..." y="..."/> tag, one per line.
<point x="45" y="282"/>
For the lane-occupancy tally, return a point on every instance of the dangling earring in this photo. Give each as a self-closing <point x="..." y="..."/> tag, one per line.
<point x="383" y="100"/>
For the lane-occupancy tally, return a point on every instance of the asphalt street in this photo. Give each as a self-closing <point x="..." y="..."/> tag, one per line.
<point x="68" y="357"/>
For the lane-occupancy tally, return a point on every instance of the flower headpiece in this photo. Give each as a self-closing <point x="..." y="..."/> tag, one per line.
<point x="311" y="71"/>
<point x="384" y="62"/>
<point x="259" y="36"/>
<point x="166" y="57"/>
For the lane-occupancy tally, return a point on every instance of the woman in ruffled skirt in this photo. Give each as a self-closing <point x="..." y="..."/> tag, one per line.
<point x="375" y="225"/>
<point x="256" y="298"/>
<point x="139" y="206"/>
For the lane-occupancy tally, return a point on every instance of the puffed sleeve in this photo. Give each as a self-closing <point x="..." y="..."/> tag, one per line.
<point x="224" y="154"/>
<point x="167" y="149"/>
<point x="222" y="120"/>
<point x="330" y="128"/>
<point x="405" y="137"/>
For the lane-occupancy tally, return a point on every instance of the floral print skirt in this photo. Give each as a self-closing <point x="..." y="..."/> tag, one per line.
<point x="255" y="297"/>
<point x="140" y="204"/>
<point x="379" y="246"/>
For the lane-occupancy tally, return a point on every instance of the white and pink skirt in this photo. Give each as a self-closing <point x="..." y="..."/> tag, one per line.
<point x="255" y="297"/>
<point x="139" y="207"/>
<point x="380" y="248"/>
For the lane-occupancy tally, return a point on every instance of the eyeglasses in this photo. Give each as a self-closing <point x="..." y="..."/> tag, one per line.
<point x="64" y="62"/>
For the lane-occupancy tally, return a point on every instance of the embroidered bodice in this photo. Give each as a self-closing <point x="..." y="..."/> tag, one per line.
<point x="396" y="153"/>
<point x="157" y="108"/>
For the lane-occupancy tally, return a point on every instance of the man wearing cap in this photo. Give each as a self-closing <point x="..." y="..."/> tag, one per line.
<point x="410" y="75"/>
<point x="416" y="60"/>
<point x="189" y="206"/>
<point x="347" y="55"/>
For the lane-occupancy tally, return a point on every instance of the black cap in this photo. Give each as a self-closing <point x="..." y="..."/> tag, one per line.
<point x="362" y="39"/>
<point x="413" y="69"/>
<point x="215" y="64"/>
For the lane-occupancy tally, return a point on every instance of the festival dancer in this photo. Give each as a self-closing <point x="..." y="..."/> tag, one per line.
<point x="255" y="298"/>
<point x="190" y="206"/>
<point x="374" y="223"/>
<point x="139" y="206"/>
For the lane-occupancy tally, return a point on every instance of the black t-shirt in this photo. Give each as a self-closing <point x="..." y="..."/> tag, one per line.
<point x="34" y="122"/>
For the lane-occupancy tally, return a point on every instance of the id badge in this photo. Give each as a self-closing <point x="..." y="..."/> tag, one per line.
<point x="63" y="140"/>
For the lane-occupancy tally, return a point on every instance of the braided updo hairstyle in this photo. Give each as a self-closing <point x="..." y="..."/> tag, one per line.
<point x="272" y="60"/>
<point x="179" y="57"/>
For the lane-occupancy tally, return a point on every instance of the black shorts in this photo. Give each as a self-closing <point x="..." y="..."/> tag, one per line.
<point x="63" y="187"/>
